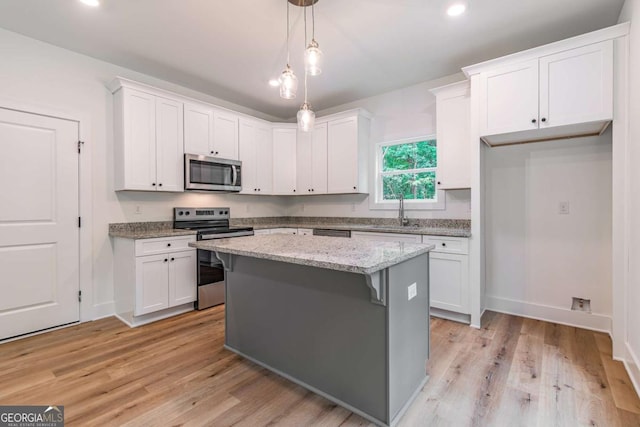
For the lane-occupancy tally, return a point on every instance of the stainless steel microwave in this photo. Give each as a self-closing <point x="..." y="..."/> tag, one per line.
<point x="202" y="173"/>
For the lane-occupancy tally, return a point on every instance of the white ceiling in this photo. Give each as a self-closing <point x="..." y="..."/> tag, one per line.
<point x="230" y="49"/>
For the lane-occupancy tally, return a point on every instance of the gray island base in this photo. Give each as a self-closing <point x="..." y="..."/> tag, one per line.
<point x="319" y="312"/>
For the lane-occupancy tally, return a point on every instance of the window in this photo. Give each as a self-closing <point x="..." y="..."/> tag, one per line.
<point x="408" y="168"/>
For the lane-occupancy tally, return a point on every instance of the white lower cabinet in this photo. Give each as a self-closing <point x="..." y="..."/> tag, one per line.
<point x="449" y="273"/>
<point x="154" y="278"/>
<point x="448" y="269"/>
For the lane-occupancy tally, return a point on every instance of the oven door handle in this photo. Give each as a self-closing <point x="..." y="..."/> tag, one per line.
<point x="234" y="170"/>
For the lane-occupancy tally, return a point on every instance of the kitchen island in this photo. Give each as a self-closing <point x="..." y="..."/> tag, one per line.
<point x="347" y="319"/>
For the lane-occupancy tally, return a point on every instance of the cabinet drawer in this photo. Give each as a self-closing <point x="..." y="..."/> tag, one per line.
<point x="449" y="245"/>
<point x="163" y="245"/>
<point x="305" y="232"/>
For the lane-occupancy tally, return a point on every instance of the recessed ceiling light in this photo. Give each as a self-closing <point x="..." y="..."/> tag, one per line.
<point x="456" y="9"/>
<point x="274" y="82"/>
<point x="94" y="3"/>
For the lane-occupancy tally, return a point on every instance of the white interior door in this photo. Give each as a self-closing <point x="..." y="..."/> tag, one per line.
<point x="39" y="235"/>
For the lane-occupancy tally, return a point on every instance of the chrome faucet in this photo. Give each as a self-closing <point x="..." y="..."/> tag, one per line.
<point x="401" y="218"/>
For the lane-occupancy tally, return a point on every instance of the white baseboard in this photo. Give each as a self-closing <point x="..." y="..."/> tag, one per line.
<point x="563" y="316"/>
<point x="450" y="315"/>
<point x="102" y="310"/>
<point x="631" y="363"/>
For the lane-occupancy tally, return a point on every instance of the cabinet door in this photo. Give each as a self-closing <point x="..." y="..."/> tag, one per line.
<point x="152" y="283"/>
<point x="449" y="282"/>
<point x="319" y="159"/>
<point x="248" y="151"/>
<point x="182" y="278"/>
<point x="284" y="161"/>
<point x="303" y="162"/>
<point x="169" y="145"/>
<point x="576" y="86"/>
<point x="225" y="135"/>
<point x="264" y="158"/>
<point x="454" y="138"/>
<point x="342" y="156"/>
<point x="198" y="130"/>
<point x="139" y="123"/>
<point x="509" y="99"/>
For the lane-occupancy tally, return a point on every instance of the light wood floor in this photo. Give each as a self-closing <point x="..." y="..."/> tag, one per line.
<point x="513" y="372"/>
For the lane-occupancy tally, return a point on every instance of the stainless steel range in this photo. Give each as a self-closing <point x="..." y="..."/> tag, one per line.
<point x="210" y="223"/>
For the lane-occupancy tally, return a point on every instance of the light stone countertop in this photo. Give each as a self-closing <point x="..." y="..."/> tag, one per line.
<point x="151" y="234"/>
<point x="334" y="253"/>
<point x="408" y="229"/>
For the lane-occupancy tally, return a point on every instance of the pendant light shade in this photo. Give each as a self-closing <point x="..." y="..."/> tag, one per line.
<point x="313" y="59"/>
<point x="306" y="118"/>
<point x="288" y="84"/>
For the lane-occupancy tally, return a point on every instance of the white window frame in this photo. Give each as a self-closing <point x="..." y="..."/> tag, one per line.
<point x="375" y="199"/>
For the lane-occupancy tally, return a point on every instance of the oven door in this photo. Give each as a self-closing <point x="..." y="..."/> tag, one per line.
<point x="210" y="280"/>
<point x="211" y="174"/>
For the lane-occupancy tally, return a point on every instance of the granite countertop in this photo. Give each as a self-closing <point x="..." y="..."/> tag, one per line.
<point x="409" y="229"/>
<point x="432" y="227"/>
<point x="350" y="255"/>
<point x="147" y="230"/>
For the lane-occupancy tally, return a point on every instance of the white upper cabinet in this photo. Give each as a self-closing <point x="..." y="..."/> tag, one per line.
<point x="453" y="136"/>
<point x="347" y="154"/>
<point x="198" y="130"/>
<point x="312" y="160"/>
<point x="561" y="94"/>
<point x="148" y="142"/>
<point x="225" y="135"/>
<point x="576" y="86"/>
<point x="256" y="154"/>
<point x="284" y="160"/>
<point x="209" y="132"/>
<point x="169" y="145"/>
<point x="509" y="99"/>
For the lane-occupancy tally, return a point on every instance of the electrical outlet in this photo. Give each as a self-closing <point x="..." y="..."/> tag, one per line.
<point x="581" y="304"/>
<point x="353" y="207"/>
<point x="563" y="208"/>
<point x="412" y="291"/>
<point x="138" y="210"/>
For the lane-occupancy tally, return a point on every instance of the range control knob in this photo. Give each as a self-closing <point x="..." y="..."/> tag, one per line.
<point x="186" y="213"/>
<point x="180" y="213"/>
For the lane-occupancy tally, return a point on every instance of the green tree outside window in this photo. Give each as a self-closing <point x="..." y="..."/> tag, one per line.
<point x="409" y="169"/>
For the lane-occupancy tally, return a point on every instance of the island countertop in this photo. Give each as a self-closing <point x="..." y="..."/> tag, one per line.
<point x="334" y="253"/>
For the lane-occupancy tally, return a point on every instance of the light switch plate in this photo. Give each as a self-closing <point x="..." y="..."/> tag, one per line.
<point x="413" y="291"/>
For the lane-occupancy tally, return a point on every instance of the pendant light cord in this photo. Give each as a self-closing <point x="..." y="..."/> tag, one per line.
<point x="287" y="1"/>
<point x="313" y="21"/>
<point x="305" y="45"/>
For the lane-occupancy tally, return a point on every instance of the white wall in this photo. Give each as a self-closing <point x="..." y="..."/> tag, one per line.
<point x="631" y="12"/>
<point x="403" y="113"/>
<point x="42" y="76"/>
<point x="536" y="258"/>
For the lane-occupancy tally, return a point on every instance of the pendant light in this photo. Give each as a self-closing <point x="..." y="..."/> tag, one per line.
<point x="288" y="79"/>
<point x="313" y="54"/>
<point x="306" y="117"/>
